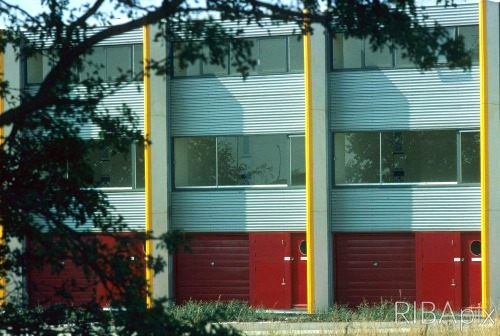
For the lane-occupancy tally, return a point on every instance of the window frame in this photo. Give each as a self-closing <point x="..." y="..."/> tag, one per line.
<point x="458" y="182"/>
<point x="217" y="185"/>
<point x="252" y="72"/>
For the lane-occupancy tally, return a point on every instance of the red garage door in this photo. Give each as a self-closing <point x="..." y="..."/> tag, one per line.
<point x="71" y="285"/>
<point x="374" y="267"/>
<point x="216" y="268"/>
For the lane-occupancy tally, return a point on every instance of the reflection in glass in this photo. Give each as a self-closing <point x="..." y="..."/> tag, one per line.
<point x="111" y="168"/>
<point x="194" y="160"/>
<point x="357" y="158"/>
<point x="252" y="160"/>
<point x="470" y="157"/>
<point x="297" y="161"/>
<point x="272" y="54"/>
<point x="419" y="156"/>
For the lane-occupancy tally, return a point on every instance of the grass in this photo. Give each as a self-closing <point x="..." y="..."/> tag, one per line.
<point x="366" y="319"/>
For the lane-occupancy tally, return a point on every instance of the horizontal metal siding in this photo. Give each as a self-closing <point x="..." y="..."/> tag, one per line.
<point x="405" y="209"/>
<point x="131" y="205"/>
<point x="264" y="28"/>
<point x="130" y="95"/>
<point x="404" y="99"/>
<point x="239" y="210"/>
<point x="461" y="15"/>
<point x="130" y="37"/>
<point x="230" y="105"/>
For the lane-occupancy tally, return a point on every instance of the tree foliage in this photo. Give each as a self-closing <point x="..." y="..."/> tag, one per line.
<point x="46" y="178"/>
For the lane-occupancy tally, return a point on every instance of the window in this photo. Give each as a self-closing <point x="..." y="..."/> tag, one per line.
<point x="239" y="161"/>
<point x="354" y="53"/>
<point x="111" y="62"/>
<point x="277" y="54"/>
<point x="407" y="157"/>
<point x="115" y="169"/>
<point x="34" y="69"/>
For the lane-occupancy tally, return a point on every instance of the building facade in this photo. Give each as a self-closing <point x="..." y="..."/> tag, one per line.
<point x="398" y="197"/>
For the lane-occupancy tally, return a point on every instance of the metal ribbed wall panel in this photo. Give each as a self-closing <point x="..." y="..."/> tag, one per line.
<point x="239" y="210"/>
<point x="265" y="28"/>
<point x="406" y="209"/>
<point x="131" y="95"/>
<point x="404" y="99"/>
<point x="130" y="37"/>
<point x="461" y="15"/>
<point x="230" y="105"/>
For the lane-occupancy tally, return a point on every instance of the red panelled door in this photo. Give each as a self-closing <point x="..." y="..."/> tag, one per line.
<point x="277" y="270"/>
<point x="449" y="269"/>
<point x="471" y="269"/>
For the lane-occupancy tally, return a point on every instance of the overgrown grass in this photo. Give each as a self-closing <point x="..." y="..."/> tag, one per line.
<point x="237" y="311"/>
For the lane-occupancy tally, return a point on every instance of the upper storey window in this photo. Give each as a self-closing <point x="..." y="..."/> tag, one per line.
<point x="277" y="54"/>
<point x="353" y="53"/>
<point x="106" y="62"/>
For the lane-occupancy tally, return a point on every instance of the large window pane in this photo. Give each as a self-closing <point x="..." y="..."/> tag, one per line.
<point x="296" y="53"/>
<point x="252" y="160"/>
<point x="194" y="161"/>
<point x="253" y="56"/>
<point x="118" y="61"/>
<point x="191" y="69"/>
<point x="423" y="156"/>
<point x="297" y="161"/>
<point x="347" y="52"/>
<point x="139" y="166"/>
<point x="111" y="168"/>
<point x="94" y="64"/>
<point x="380" y="58"/>
<point x="470" y="157"/>
<point x="215" y="69"/>
<point x="138" y="59"/>
<point x="272" y="54"/>
<point x="401" y="61"/>
<point x="34" y="69"/>
<point x="357" y="158"/>
<point x="471" y="40"/>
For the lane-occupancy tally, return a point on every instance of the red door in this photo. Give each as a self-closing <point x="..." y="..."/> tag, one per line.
<point x="269" y="275"/>
<point x="299" y="270"/>
<point x="439" y="269"/>
<point x="471" y="268"/>
<point x="278" y="270"/>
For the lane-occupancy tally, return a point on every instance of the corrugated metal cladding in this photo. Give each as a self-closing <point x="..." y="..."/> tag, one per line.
<point x="461" y="15"/>
<point x="230" y="105"/>
<point x="131" y="95"/>
<point x="130" y="37"/>
<point x="405" y="209"/>
<point x="265" y="28"/>
<point x="239" y="210"/>
<point x="131" y="205"/>
<point x="401" y="99"/>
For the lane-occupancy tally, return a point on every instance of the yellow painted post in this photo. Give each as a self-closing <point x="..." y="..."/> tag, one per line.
<point x="483" y="87"/>
<point x="309" y="166"/>
<point x="147" y="160"/>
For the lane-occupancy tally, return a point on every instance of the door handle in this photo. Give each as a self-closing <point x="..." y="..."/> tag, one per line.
<point x="283" y="283"/>
<point x="453" y="282"/>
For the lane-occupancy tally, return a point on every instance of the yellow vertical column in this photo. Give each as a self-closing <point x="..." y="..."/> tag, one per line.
<point x="309" y="165"/>
<point x="147" y="160"/>
<point x="483" y="86"/>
